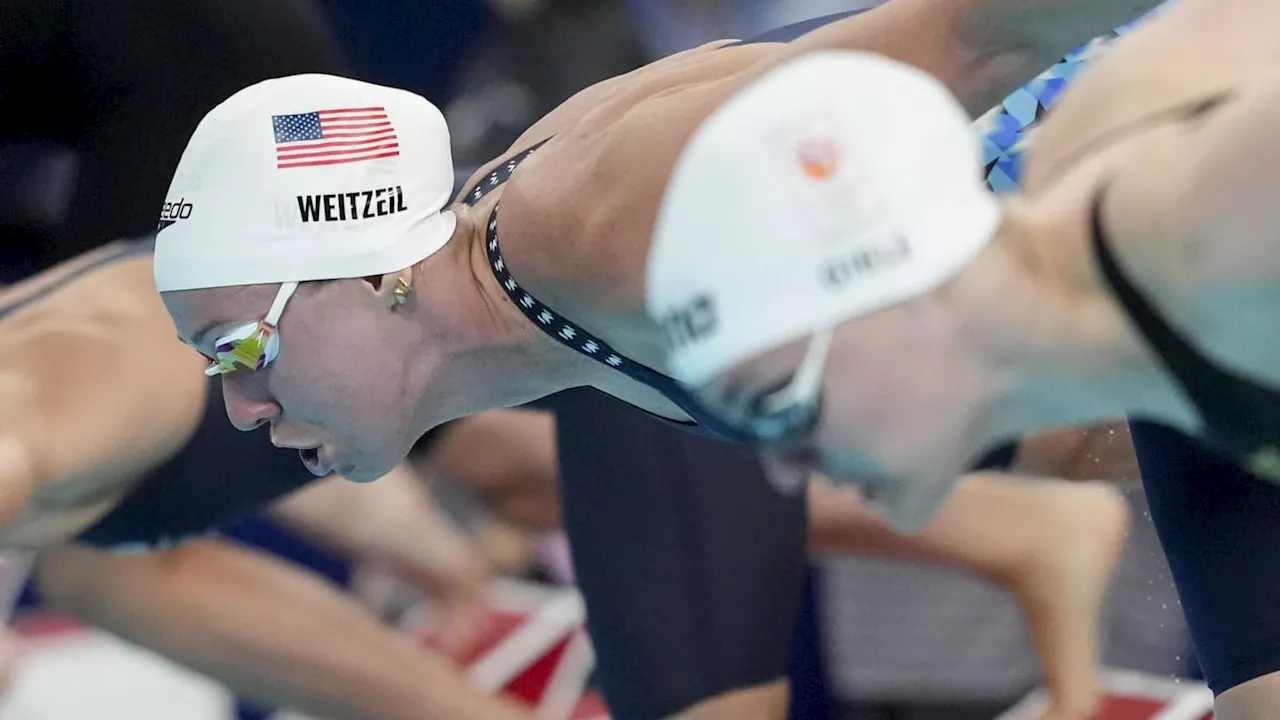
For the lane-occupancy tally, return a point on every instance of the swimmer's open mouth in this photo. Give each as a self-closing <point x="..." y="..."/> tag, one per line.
<point x="311" y="458"/>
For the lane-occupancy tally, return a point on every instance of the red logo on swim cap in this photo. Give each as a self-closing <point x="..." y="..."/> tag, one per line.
<point x="819" y="158"/>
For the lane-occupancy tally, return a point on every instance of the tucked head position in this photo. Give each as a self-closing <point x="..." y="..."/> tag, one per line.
<point x="411" y="311"/>
<point x="876" y="312"/>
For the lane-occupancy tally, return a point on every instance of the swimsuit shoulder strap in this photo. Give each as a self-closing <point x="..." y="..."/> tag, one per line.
<point x="1239" y="414"/>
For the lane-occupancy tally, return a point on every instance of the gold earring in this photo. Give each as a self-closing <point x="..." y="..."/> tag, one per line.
<point x="402" y="291"/>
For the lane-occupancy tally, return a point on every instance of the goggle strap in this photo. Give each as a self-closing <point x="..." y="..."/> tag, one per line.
<point x="806" y="382"/>
<point x="277" y="307"/>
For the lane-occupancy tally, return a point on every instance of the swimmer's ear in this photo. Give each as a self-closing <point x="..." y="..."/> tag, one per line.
<point x="395" y="288"/>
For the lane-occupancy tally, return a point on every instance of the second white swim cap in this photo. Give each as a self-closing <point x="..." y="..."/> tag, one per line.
<point x="836" y="185"/>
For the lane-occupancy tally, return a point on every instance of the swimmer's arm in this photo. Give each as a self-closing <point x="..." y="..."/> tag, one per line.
<point x="391" y="516"/>
<point x="109" y="397"/>
<point x="269" y="631"/>
<point x="508" y="458"/>
<point x="1103" y="452"/>
<point x="981" y="49"/>
<point x="392" y="522"/>
<point x="621" y="169"/>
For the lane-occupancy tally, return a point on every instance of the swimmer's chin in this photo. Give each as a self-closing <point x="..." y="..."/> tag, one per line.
<point x="355" y="474"/>
<point x="912" y="515"/>
<point x="906" y="523"/>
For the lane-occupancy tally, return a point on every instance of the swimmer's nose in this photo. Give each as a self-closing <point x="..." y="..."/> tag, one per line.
<point x="246" y="410"/>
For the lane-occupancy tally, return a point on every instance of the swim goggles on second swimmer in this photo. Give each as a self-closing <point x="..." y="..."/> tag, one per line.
<point x="789" y="414"/>
<point x="253" y="345"/>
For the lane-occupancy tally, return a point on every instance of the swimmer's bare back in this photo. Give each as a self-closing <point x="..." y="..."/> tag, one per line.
<point x="95" y="391"/>
<point x="1170" y="140"/>
<point x="577" y="216"/>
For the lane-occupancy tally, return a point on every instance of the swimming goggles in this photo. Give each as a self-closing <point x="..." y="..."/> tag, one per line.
<point x="789" y="414"/>
<point x="254" y="345"/>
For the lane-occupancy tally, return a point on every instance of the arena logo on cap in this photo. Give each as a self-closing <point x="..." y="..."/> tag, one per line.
<point x="172" y="212"/>
<point x="358" y="205"/>
<point x="691" y="322"/>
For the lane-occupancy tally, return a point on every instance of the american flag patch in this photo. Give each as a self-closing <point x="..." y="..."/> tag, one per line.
<point x="332" y="137"/>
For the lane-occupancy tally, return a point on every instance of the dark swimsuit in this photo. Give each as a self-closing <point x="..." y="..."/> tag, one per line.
<point x="1241" y="417"/>
<point x="1219" y="524"/>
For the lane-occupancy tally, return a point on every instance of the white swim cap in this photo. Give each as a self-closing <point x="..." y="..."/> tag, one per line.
<point x="836" y="185"/>
<point x="309" y="177"/>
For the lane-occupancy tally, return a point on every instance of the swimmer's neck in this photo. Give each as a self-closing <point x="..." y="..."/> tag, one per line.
<point x="1058" y="351"/>
<point x="1046" y="394"/>
<point x="485" y="353"/>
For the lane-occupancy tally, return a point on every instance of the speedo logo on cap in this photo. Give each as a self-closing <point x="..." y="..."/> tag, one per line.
<point x="359" y="205"/>
<point x="172" y="212"/>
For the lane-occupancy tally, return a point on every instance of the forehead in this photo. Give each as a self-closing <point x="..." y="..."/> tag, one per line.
<point x="194" y="310"/>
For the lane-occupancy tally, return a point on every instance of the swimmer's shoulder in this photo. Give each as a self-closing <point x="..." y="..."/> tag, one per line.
<point x="601" y="104"/>
<point x="589" y="107"/>
<point x="108" y="290"/>
<point x="576" y="206"/>
<point x="1165" y="154"/>
<point x="1130" y="138"/>
<point x="1195" y="50"/>
<point x="98" y="384"/>
<point x="103" y="304"/>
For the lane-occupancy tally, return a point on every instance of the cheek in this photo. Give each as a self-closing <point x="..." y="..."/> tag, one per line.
<point x="848" y="410"/>
<point x="178" y="312"/>
<point x="857" y="436"/>
<point x="307" y="378"/>
<point x="357" y="390"/>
